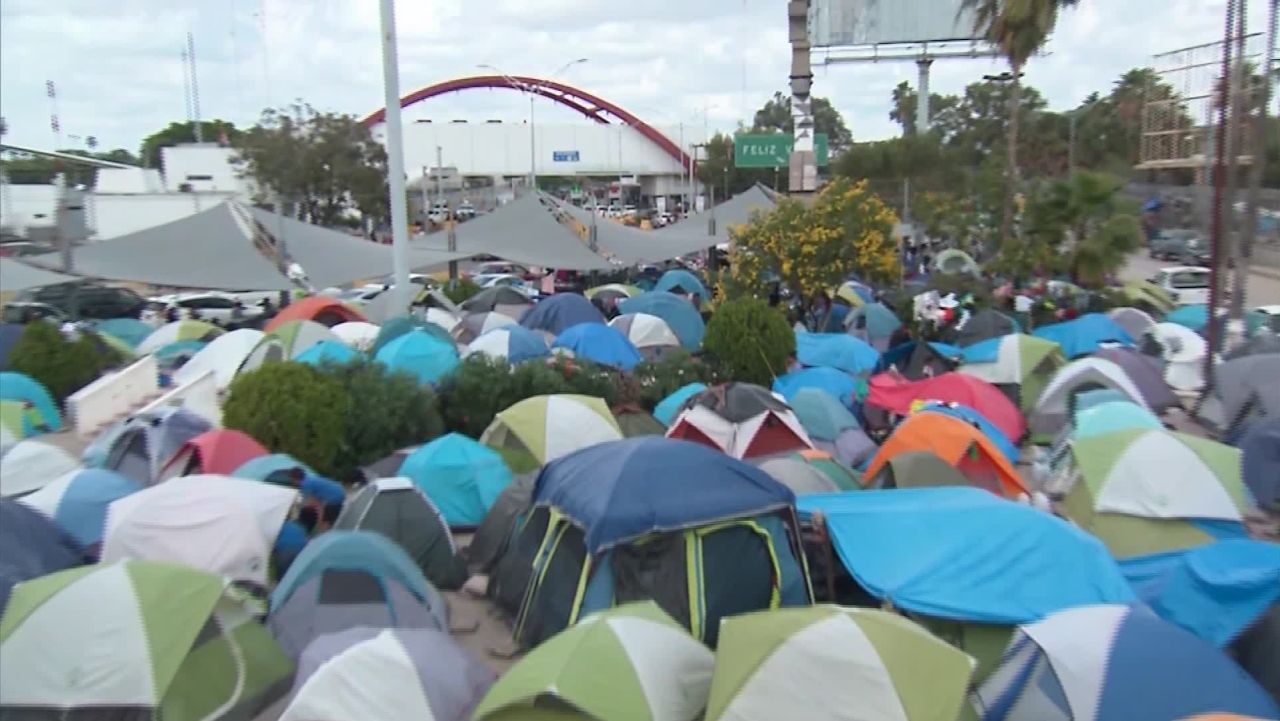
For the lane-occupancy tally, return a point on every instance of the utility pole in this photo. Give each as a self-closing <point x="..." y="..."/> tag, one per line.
<point x="426" y="202"/>
<point x="395" y="160"/>
<point x="804" y="162"/>
<point x="439" y="176"/>
<point x="922" y="91"/>
<point x="1258" y="143"/>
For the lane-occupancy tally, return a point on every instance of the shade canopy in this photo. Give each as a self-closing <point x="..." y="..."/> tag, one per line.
<point x="16" y="276"/>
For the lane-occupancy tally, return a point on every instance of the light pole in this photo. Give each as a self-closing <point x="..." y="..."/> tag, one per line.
<point x="529" y="90"/>
<point x="395" y="159"/>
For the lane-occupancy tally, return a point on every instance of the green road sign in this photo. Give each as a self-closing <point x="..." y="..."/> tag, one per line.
<point x="772" y="150"/>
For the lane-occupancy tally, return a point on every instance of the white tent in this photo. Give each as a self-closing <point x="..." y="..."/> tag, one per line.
<point x="31" y="464"/>
<point x="223" y="356"/>
<point x="357" y="334"/>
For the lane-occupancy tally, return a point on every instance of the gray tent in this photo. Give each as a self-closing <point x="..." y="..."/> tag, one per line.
<point x="852" y="447"/>
<point x="495" y="531"/>
<point x="234" y="247"/>
<point x="523" y="231"/>
<point x="139" y="446"/>
<point x="1244" y="390"/>
<point x="918" y="469"/>
<point x="399" y="510"/>
<point x="17" y="276"/>
<point x="797" y="475"/>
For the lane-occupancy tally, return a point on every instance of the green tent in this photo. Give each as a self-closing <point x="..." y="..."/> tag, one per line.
<point x="551" y="426"/>
<point x="1021" y="366"/>
<point x="631" y="663"/>
<point x="174" y="642"/>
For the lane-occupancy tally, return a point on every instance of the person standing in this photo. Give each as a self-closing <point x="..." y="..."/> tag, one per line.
<point x="1022" y="305"/>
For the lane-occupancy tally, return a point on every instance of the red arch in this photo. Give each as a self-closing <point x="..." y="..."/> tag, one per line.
<point x="589" y="105"/>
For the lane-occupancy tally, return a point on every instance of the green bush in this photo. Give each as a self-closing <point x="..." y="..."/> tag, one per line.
<point x="388" y="410"/>
<point x="292" y="408"/>
<point x="589" y="379"/>
<point x="750" y="340"/>
<point x="658" y="379"/>
<point x="63" y="366"/>
<point x="460" y="290"/>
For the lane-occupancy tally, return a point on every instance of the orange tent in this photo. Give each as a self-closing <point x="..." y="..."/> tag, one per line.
<point x="957" y="443"/>
<point x="325" y="311"/>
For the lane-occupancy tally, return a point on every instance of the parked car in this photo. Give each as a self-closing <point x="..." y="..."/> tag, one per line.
<point x="23" y="312"/>
<point x="87" y="300"/>
<point x="1174" y="244"/>
<point x="501" y="267"/>
<point x="1187" y="285"/>
<point x="218" y="308"/>
<point x="509" y="281"/>
<point x="466" y="211"/>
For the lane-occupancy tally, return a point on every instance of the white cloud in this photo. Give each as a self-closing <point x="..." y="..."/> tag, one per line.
<point x="117" y="65"/>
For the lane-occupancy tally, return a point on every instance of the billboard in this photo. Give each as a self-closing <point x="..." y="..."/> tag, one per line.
<point x="842" y="23"/>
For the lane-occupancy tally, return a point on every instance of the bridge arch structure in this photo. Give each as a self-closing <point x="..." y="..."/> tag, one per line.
<point x="591" y="106"/>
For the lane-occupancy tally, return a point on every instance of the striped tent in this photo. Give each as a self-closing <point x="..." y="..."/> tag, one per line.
<point x="77" y="502"/>
<point x="548" y="427"/>
<point x="1020" y="365"/>
<point x="357" y="334"/>
<point x="135" y="640"/>
<point x="826" y="663"/>
<point x="286" y="342"/>
<point x="176" y="331"/>
<point x="631" y="662"/>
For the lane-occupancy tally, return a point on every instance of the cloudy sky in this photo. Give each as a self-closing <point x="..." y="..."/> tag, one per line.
<point x="119" y="76"/>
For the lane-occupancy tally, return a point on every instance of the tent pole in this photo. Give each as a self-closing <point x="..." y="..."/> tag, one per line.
<point x="395" y="160"/>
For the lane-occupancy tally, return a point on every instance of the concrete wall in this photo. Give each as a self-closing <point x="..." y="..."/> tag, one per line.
<point x="116" y="215"/>
<point x="113" y="395"/>
<point x="206" y="168"/>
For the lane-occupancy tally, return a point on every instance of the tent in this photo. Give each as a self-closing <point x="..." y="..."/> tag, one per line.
<point x="679" y="314"/>
<point x="175" y="355"/>
<point x="1085" y="335"/>
<point x="492" y="536"/>
<point x="358" y="335"/>
<point x="953" y="261"/>
<point x="117" y="641"/>
<point x="42" y="409"/>
<point x="398" y="509"/>
<point x="836" y="350"/>
<point x="977" y="420"/>
<point x="1110" y="417"/>
<point x="139" y="446"/>
<point x="598" y="343"/>
<point x="681" y="282"/>
<point x="30" y="464"/>
<point x="462" y="477"/>
<point x="272" y="469"/>
<point x="440" y="317"/>
<point x="1243" y="392"/>
<point x="324" y="310"/>
<point x="668" y="408"/>
<point x="551" y="426"/>
<point x="835" y="663"/>
<point x="327" y="352"/>
<point x="1020" y="365"/>
<point x="960" y="444"/>
<point x="742" y="420"/>
<point x="1146" y="491"/>
<point x="648" y="333"/>
<point x="346" y="579"/>
<point x="1145" y="374"/>
<point x="635" y="422"/>
<point x="218" y="524"/>
<point x="1260" y="451"/>
<point x="286" y="342"/>
<point x="917" y="469"/>
<point x="874" y="323"/>
<point x="985" y="325"/>
<point x="612" y="292"/>
<point x="393" y="328"/>
<point x="498" y="299"/>
<point x="77" y="502"/>
<point x="390" y="674"/>
<point x="223" y="355"/>
<point x="821" y="414"/>
<point x="854" y="293"/>
<point x="832" y="466"/>
<point x="901" y="397"/>
<point x="634" y="658"/>
<point x="915" y="360"/>
<point x="793" y="472"/>
<point x="837" y="384"/>
<point x="512" y="343"/>
<point x="1180" y="351"/>
<point x="1115" y="663"/>
<point x="176" y="331"/>
<point x="31" y="545"/>
<point x="1258" y="344"/>
<point x="474" y="325"/>
<point x="427" y="358"/>
<point x="220" y="451"/>
<point x="1053" y="409"/>
<point x="1135" y="322"/>
<point x="561" y="311"/>
<point x="626" y="514"/>
<point x="1194" y="316"/>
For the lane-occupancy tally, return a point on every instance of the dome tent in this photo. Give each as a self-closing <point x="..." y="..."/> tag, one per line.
<point x="461" y="477"/>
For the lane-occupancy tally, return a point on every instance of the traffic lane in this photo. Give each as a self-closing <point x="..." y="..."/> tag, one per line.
<point x="1262" y="289"/>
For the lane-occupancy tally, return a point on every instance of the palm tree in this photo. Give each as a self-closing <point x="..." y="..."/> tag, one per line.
<point x="1018" y="28"/>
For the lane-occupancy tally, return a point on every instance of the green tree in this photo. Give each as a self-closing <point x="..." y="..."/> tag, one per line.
<point x="775" y="117"/>
<point x="39" y="170"/>
<point x="943" y="110"/>
<point x="211" y="131"/>
<point x="1018" y="28"/>
<point x="319" y="166"/>
<point x="291" y="408"/>
<point x="1081" y="225"/>
<point x="62" y="366"/>
<point x="751" y="340"/>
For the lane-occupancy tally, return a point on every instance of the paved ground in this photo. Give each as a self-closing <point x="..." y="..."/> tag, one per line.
<point x="1263" y="289"/>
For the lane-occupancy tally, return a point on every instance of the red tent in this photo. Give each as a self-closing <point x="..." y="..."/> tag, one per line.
<point x="323" y="310"/>
<point x="220" y="451"/>
<point x="892" y="392"/>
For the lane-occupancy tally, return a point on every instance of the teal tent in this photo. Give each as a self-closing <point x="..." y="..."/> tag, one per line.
<point x="462" y="477"/>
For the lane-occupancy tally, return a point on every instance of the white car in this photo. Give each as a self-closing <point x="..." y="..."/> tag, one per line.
<point x="498" y="267"/>
<point x="510" y="281"/>
<point x="214" y="307"/>
<point x="1186" y="284"/>
<point x="466" y="211"/>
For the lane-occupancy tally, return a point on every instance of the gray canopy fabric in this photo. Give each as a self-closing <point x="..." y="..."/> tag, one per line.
<point x="522" y="231"/>
<point x="734" y="211"/>
<point x="231" y="247"/>
<point x="17" y="276"/>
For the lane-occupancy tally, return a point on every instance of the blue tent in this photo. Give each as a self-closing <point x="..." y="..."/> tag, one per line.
<point x="78" y="503"/>
<point x="522" y="344"/>
<point x="599" y="343"/>
<point x="24" y="388"/>
<point x="1214" y="591"/>
<point x="684" y="319"/>
<point x="179" y="350"/>
<point x="822" y="416"/>
<point x="836" y="350"/>
<point x="1096" y="397"/>
<point x="421" y="354"/>
<point x="366" y="551"/>
<point x="1112" y="416"/>
<point x="129" y="330"/>
<point x="974" y="418"/>
<point x="967" y="555"/>
<point x="682" y="282"/>
<point x="621" y="490"/>
<point x="873" y="321"/>
<point x="263" y="468"/>
<point x="1260" y="450"/>
<point x="393" y="328"/>
<point x="31" y="546"/>
<point x="559" y="312"/>
<point x="1084" y="335"/>
<point x="668" y="408"/>
<point x="9" y="335"/>
<point x="1194" y="316"/>
<point x="327" y="351"/>
<point x="462" y="477"/>
<point x="828" y="380"/>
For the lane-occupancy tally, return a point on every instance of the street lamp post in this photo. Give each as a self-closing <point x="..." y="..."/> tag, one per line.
<point x="529" y="90"/>
<point x="395" y="159"/>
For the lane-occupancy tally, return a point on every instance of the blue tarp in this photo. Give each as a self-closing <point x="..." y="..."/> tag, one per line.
<point x="420" y="354"/>
<point x="669" y="407"/>
<point x="836" y="350"/>
<point x="462" y="477"/>
<point x="562" y="311"/>
<point x="682" y="281"/>
<point x="1214" y="591"/>
<point x="327" y="351"/>
<point x="599" y="343"/>
<point x="974" y="418"/>
<point x="31" y="546"/>
<point x="367" y="551"/>
<point x="1260" y="450"/>
<point x="620" y="490"/>
<point x="130" y="330"/>
<point x="967" y="555"/>
<point x="1084" y="335"/>
<point x="684" y="319"/>
<point x="828" y="380"/>
<point x="822" y="416"/>
<point x="22" y="387"/>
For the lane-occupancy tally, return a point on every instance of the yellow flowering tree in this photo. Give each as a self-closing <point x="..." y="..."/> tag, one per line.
<point x="846" y="230"/>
